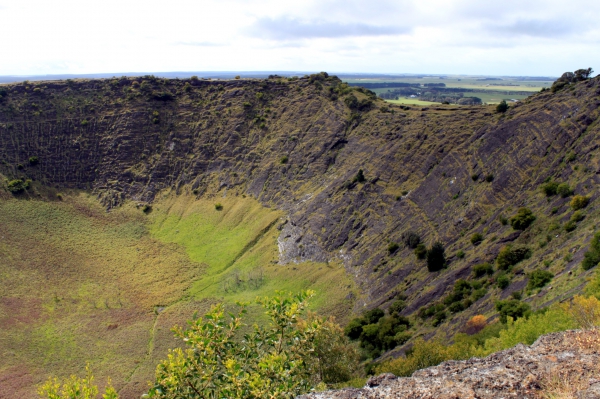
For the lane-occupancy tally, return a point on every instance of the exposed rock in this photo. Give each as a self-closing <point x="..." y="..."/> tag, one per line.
<point x="519" y="372"/>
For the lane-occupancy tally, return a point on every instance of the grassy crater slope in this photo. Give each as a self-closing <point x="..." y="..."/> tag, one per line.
<point x="80" y="284"/>
<point x="293" y="148"/>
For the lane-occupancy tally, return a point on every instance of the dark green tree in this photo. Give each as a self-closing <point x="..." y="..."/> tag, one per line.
<point x="436" y="257"/>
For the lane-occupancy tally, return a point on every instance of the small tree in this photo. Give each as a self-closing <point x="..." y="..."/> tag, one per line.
<point x="522" y="219"/>
<point x="281" y="360"/>
<point x="436" y="257"/>
<point x="502" y="107"/>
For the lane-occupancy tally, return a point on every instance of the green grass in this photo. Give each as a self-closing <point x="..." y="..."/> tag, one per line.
<point x="412" y="101"/>
<point x="80" y="284"/>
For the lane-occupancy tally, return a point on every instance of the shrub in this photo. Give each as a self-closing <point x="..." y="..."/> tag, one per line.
<point x="439" y="318"/>
<point x="479" y="293"/>
<point x="283" y="160"/>
<point x="460" y="254"/>
<point x="218" y="206"/>
<point x="476" y="238"/>
<point x="579" y="202"/>
<point x="75" y="387"/>
<point x="570" y="226"/>
<point x="34" y="161"/>
<point x="421" y="251"/>
<point x="360" y="177"/>
<point x="475" y="324"/>
<point x="585" y="311"/>
<point x="510" y="256"/>
<point x="550" y="188"/>
<point x="475" y="176"/>
<point x="281" y="359"/>
<point x="489" y="177"/>
<point x="522" y="219"/>
<point x="17" y="186"/>
<point x="577" y="216"/>
<point x="436" y="257"/>
<point x="592" y="257"/>
<point x="411" y="239"/>
<point x="564" y="190"/>
<point x="503" y="220"/>
<point x="539" y="278"/>
<point x="482" y="270"/>
<point x="512" y="308"/>
<point x="502" y="107"/>
<point x="392" y="247"/>
<point x="397" y="307"/>
<point x="502" y="281"/>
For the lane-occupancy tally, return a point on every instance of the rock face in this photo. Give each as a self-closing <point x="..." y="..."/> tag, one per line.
<point x="566" y="362"/>
<point x="297" y="145"/>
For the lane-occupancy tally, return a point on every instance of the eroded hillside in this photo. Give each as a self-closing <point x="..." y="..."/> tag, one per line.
<point x="296" y="146"/>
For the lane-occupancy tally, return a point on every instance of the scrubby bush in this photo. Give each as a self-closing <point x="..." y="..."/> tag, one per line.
<point x="522" y="219"/>
<point x="284" y="159"/>
<point x="489" y="177"/>
<point x="579" y="202"/>
<point x="396" y="307"/>
<point x="502" y="107"/>
<point x="512" y="308"/>
<point x="476" y="238"/>
<point x="411" y="239"/>
<point x="570" y="226"/>
<point x="564" y="190"/>
<point x="436" y="257"/>
<point x="460" y="254"/>
<point x="511" y="255"/>
<point x="34" y="161"/>
<point x="475" y="324"/>
<point x="285" y="358"/>
<point x="502" y="281"/>
<point x="482" y="270"/>
<point x="360" y="177"/>
<point x="550" y="188"/>
<point x="421" y="251"/>
<point x="392" y="247"/>
<point x="538" y="279"/>
<point x="592" y="257"/>
<point x="17" y="186"/>
<point x="76" y="388"/>
<point x="218" y="206"/>
<point x="378" y="332"/>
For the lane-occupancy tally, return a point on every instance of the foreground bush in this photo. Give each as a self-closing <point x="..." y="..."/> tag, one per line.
<point x="285" y="358"/>
<point x="75" y="388"/>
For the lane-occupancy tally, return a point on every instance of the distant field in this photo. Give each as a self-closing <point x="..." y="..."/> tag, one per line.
<point x="411" y="101"/>
<point x="493" y="91"/>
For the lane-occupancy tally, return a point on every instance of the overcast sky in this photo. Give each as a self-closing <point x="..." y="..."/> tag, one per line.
<point x="532" y="37"/>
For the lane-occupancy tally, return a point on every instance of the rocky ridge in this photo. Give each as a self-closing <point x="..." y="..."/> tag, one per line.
<point x="566" y="362"/>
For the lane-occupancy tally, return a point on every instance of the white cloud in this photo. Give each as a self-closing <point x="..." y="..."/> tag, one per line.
<point x="537" y="37"/>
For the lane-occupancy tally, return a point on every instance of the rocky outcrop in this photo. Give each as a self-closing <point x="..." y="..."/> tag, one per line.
<point x="566" y="362"/>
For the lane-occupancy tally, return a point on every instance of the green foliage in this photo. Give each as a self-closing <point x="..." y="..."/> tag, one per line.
<point x="378" y="332"/>
<point x="34" y="161"/>
<point x="503" y="220"/>
<point x="410" y="238"/>
<point x="489" y="177"/>
<point x="284" y="159"/>
<point x="360" y="177"/>
<point x="421" y="251"/>
<point x="539" y="278"/>
<point x="570" y="226"/>
<point x="522" y="219"/>
<point x="460" y="254"/>
<point x="550" y="188"/>
<point x="577" y="216"/>
<point x="482" y="270"/>
<point x="502" y="107"/>
<point x="219" y="206"/>
<point x="511" y="255"/>
<point x="392" y="247"/>
<point x="512" y="308"/>
<point x="476" y="238"/>
<point x="564" y="190"/>
<point x="592" y="257"/>
<point x="502" y="281"/>
<point x="283" y="359"/>
<point x="436" y="257"/>
<point x="17" y="186"/>
<point x="579" y="202"/>
<point x="75" y="388"/>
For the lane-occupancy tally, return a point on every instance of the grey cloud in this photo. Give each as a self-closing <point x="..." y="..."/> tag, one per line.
<point x="537" y="28"/>
<point x="286" y="28"/>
